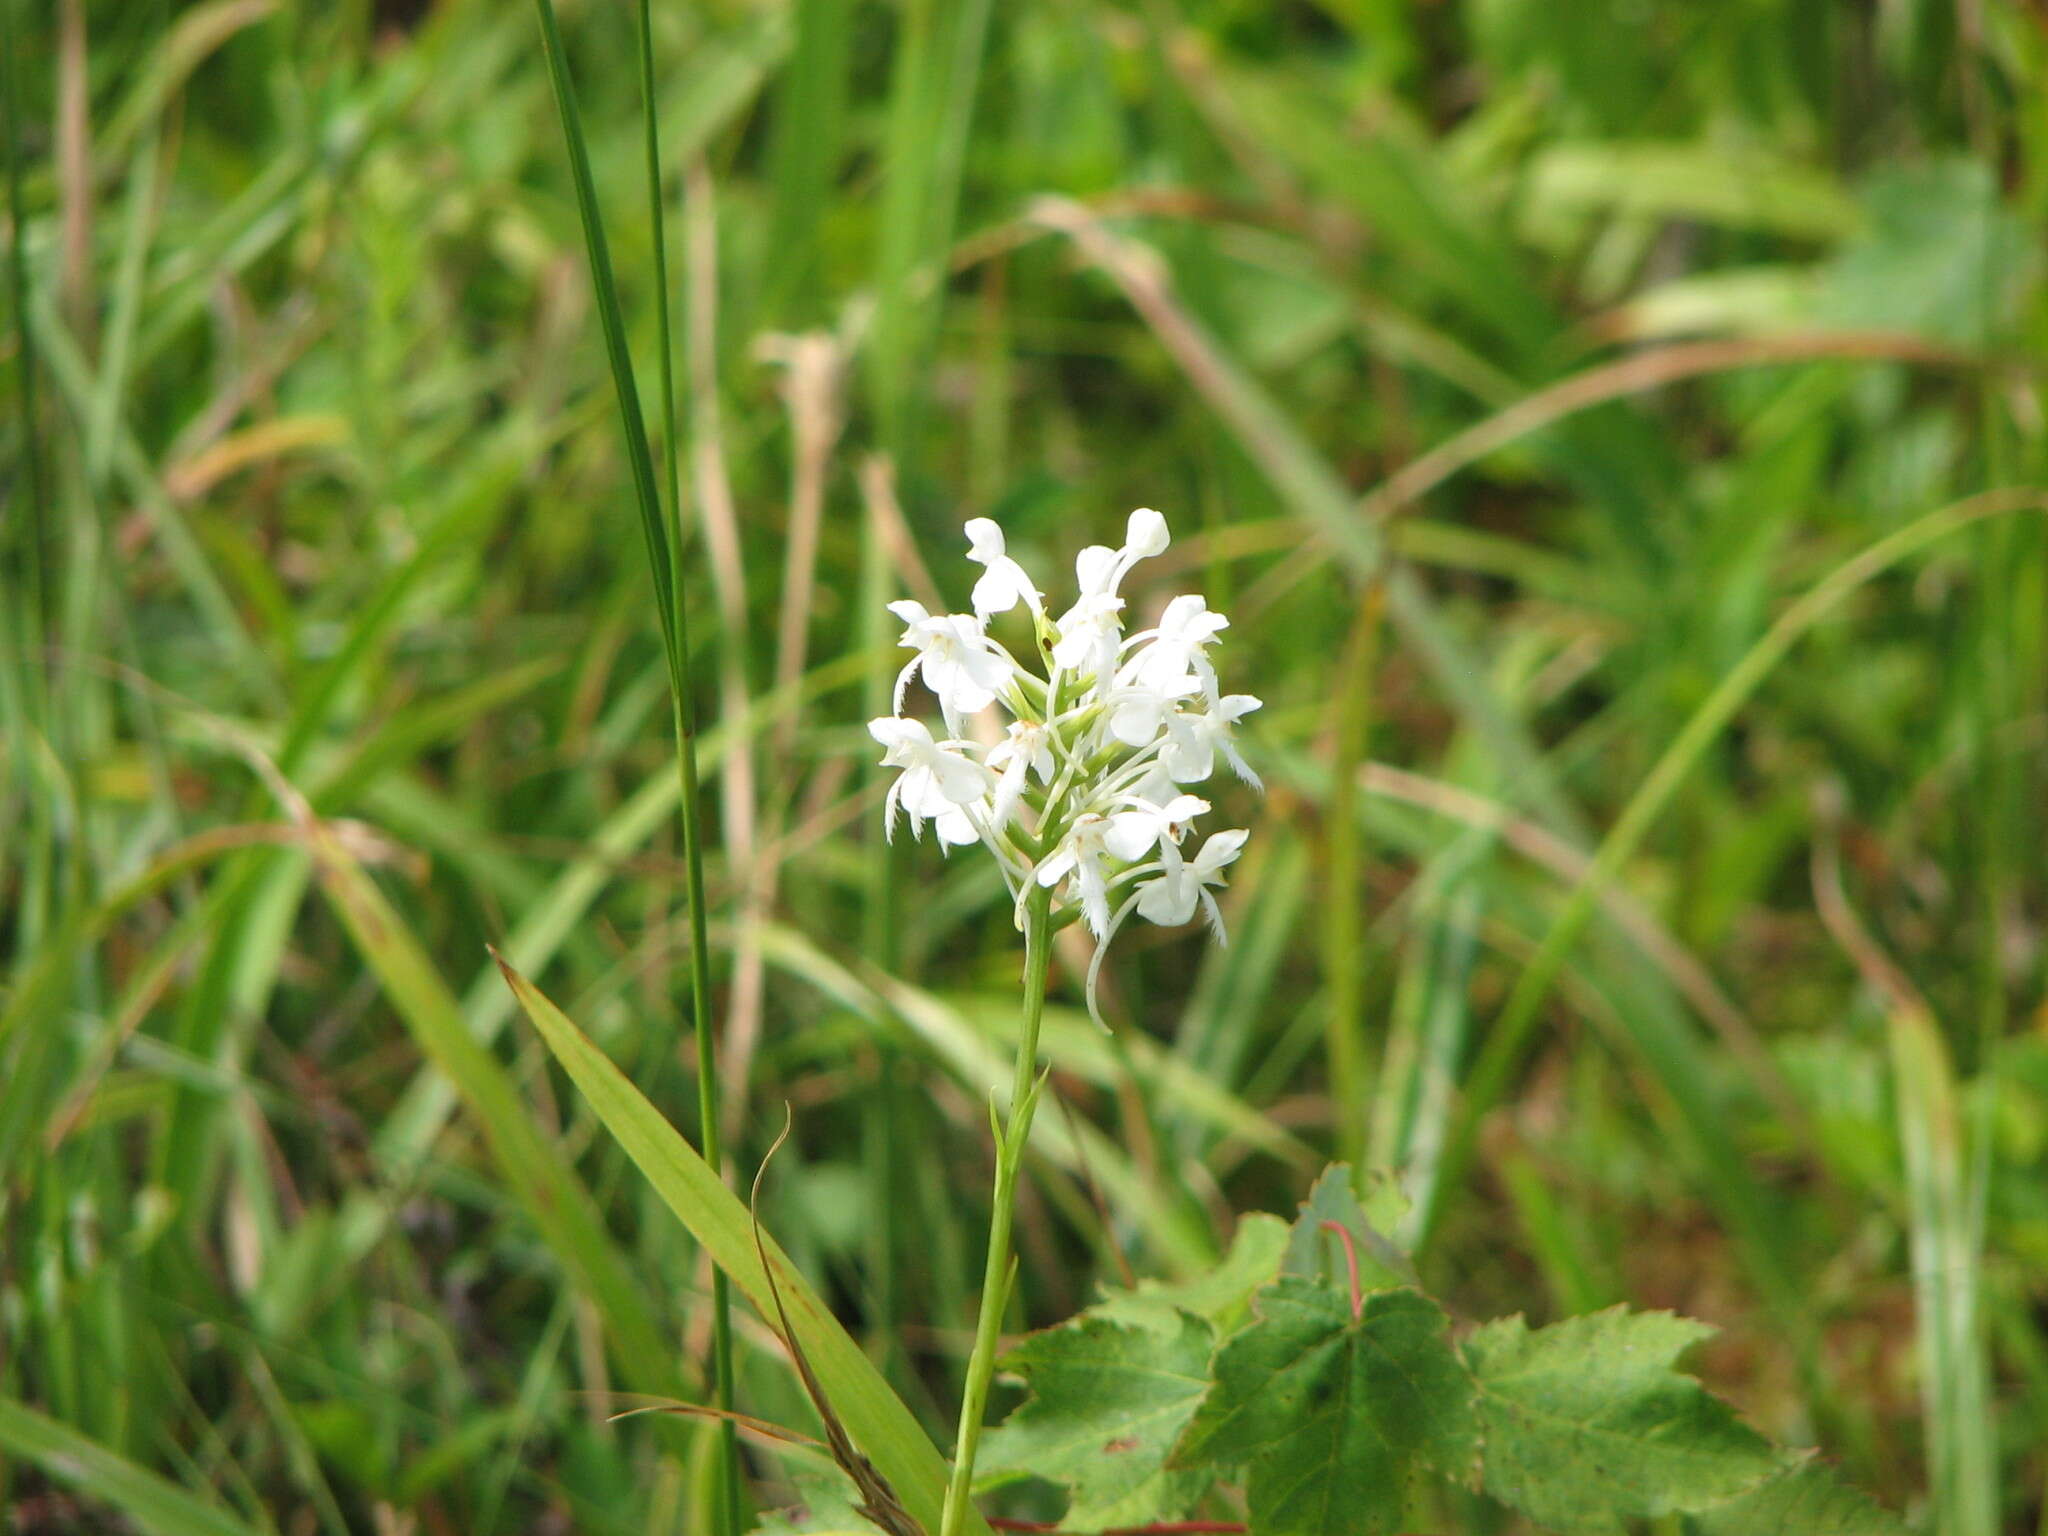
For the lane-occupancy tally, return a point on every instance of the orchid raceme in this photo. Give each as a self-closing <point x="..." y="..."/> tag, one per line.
<point x="1084" y="793"/>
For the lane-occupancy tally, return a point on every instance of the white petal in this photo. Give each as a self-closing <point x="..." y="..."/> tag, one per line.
<point x="1168" y="901"/>
<point x="1145" y="533"/>
<point x="956" y="828"/>
<point x="1132" y="834"/>
<point x="1094" y="569"/>
<point x="984" y="539"/>
<point x="1219" y="851"/>
<point x="1055" y="868"/>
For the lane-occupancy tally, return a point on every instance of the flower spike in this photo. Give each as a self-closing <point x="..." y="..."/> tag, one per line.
<point x="1083" y="795"/>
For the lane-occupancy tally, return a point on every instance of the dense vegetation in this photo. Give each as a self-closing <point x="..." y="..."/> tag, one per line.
<point x="1614" y="430"/>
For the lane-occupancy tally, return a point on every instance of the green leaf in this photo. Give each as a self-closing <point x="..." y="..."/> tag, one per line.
<point x="1333" y="1412"/>
<point x="1588" y="1425"/>
<point x="1804" y="1499"/>
<point x="1108" y="1401"/>
<point x="824" y="1507"/>
<point x="1317" y="1253"/>
<point x="1222" y="1296"/>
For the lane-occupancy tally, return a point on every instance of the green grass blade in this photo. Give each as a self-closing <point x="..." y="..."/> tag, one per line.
<point x="1519" y="1015"/>
<point x="708" y="1110"/>
<point x="553" y="1197"/>
<point x="663" y="567"/>
<point x="881" y="1426"/>
<point x="1955" y="1385"/>
<point x="158" y="1507"/>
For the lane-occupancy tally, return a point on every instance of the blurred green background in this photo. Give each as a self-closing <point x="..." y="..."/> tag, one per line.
<point x="1611" y="428"/>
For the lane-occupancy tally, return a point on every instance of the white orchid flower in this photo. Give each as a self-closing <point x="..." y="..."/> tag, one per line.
<point x="1185" y="630"/>
<point x="1025" y="750"/>
<point x="1091" y="631"/>
<point x="1193" y="740"/>
<point x="961" y="665"/>
<point x="1139" y="712"/>
<point x="938" y="777"/>
<point x="1170" y="899"/>
<point x="1134" y="833"/>
<point x="1003" y="582"/>
<point x="1079" y="856"/>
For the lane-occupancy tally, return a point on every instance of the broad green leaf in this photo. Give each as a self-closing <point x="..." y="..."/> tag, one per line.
<point x="1222" y="1296"/>
<point x="824" y="1507"/>
<point x="1316" y="1252"/>
<point x="1588" y="1425"/>
<point x="1804" y="1499"/>
<point x="1107" y="1404"/>
<point x="1334" y="1412"/>
<point x="157" y="1507"/>
<point x="880" y="1425"/>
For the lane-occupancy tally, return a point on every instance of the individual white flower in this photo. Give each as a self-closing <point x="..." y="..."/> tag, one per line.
<point x="1132" y="834"/>
<point x="1090" y="632"/>
<point x="1193" y="740"/>
<point x="1139" y="712"/>
<point x="1003" y="583"/>
<point x="938" y="777"/>
<point x="1185" y="630"/>
<point x="961" y="665"/>
<point x="1026" y="749"/>
<point x="1170" y="899"/>
<point x="1080" y="855"/>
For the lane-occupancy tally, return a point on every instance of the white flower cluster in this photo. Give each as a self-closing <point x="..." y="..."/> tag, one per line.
<point x="1085" y="793"/>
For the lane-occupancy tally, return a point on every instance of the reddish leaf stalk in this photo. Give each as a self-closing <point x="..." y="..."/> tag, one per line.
<point x="1351" y="1259"/>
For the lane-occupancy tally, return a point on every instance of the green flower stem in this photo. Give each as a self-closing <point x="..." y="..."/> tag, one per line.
<point x="1011" y="1139"/>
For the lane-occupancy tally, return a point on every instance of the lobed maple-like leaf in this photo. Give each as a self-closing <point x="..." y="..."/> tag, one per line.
<point x="1334" y="1412"/>
<point x="1108" y="1402"/>
<point x="1221" y="1296"/>
<point x="1803" y="1499"/>
<point x="1587" y="1425"/>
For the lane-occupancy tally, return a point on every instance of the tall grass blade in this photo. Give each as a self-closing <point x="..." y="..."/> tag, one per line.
<point x="664" y="568"/>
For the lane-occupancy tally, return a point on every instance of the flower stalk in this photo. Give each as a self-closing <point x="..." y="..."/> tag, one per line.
<point x="1080" y="799"/>
<point x="1013" y="1134"/>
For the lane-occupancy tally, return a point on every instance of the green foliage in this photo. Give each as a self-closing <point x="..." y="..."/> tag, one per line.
<point x="1109" y="1401"/>
<point x="1332" y="1410"/>
<point x="1599" y="340"/>
<point x="1337" y="1408"/>
<point x="1804" y="1498"/>
<point x="1587" y="1425"/>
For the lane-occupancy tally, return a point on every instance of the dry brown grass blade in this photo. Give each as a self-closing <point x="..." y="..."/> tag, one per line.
<point x="878" y="1500"/>
<point x="1632" y="376"/>
<point x="739" y="800"/>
